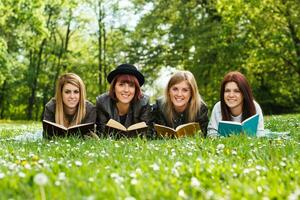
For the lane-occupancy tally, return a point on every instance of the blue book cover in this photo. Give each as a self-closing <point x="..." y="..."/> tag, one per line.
<point x="248" y="126"/>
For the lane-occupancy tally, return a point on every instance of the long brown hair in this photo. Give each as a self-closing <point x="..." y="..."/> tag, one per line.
<point x="248" y="105"/>
<point x="59" y="110"/>
<point x="195" y="101"/>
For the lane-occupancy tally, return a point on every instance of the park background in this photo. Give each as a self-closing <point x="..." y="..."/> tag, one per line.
<point x="41" y="39"/>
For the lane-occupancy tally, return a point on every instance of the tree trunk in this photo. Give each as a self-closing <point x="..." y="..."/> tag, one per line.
<point x="100" y="46"/>
<point x="31" y="100"/>
<point x="2" y="94"/>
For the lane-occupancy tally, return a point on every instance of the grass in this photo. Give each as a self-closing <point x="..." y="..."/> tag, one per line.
<point x="237" y="167"/>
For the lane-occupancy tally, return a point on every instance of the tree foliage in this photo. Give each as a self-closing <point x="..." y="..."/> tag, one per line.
<point x="40" y="40"/>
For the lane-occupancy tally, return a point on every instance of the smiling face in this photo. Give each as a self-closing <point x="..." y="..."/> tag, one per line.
<point x="180" y="95"/>
<point x="124" y="91"/>
<point x="233" y="98"/>
<point x="70" y="96"/>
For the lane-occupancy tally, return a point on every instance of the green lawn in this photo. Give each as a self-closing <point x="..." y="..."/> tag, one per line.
<point x="191" y="168"/>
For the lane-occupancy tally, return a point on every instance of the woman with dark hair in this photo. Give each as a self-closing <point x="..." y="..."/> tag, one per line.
<point x="236" y="103"/>
<point x="124" y="102"/>
<point x="181" y="103"/>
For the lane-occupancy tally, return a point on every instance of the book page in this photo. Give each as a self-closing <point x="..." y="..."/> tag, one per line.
<point x="164" y="131"/>
<point x="55" y="124"/>
<point x="81" y="129"/>
<point x="226" y="129"/>
<point x="117" y="125"/>
<point x="137" y="126"/>
<point x="80" y="125"/>
<point x="187" y="129"/>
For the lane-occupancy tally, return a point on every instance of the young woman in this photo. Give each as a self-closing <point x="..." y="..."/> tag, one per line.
<point x="124" y="102"/>
<point x="181" y="103"/>
<point x="69" y="106"/>
<point x="237" y="103"/>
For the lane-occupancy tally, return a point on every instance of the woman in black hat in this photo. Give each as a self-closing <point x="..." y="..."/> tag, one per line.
<point x="124" y="102"/>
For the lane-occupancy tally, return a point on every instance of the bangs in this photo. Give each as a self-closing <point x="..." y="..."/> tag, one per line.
<point x="126" y="78"/>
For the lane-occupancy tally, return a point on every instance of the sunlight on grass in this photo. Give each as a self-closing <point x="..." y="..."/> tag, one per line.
<point x="189" y="168"/>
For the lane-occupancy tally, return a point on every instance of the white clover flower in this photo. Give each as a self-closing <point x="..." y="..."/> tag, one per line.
<point x="182" y="194"/>
<point x="295" y="195"/>
<point x="259" y="189"/>
<point x="220" y="147"/>
<point x="91" y="179"/>
<point x="155" y="167"/>
<point x="12" y="166"/>
<point x="78" y="163"/>
<point x="246" y="171"/>
<point x="138" y="171"/>
<point x="27" y="166"/>
<point x="134" y="181"/>
<point x="41" y="161"/>
<point x="89" y="198"/>
<point x="282" y="164"/>
<point x="234" y="152"/>
<point x="130" y="198"/>
<point x="57" y="183"/>
<point x="2" y="175"/>
<point x="41" y="179"/>
<point x="116" y="145"/>
<point x="284" y="159"/>
<point x="178" y="164"/>
<point x="195" y="182"/>
<point x="21" y="174"/>
<point x="199" y="159"/>
<point x="132" y="175"/>
<point x="117" y="178"/>
<point x="175" y="172"/>
<point x="209" y="194"/>
<point x="62" y="176"/>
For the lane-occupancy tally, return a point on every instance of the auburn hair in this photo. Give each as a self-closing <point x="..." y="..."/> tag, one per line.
<point x="248" y="101"/>
<point x="126" y="78"/>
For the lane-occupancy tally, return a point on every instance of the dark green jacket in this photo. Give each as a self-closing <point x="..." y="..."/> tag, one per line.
<point x="106" y="109"/>
<point x="159" y="116"/>
<point x="90" y="116"/>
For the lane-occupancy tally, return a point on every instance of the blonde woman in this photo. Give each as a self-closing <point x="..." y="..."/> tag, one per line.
<point x="181" y="103"/>
<point x="69" y="106"/>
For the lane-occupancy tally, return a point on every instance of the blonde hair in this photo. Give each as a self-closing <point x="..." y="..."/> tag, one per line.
<point x="75" y="80"/>
<point x="195" y="101"/>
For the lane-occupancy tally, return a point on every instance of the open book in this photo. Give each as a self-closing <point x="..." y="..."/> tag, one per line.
<point x="116" y="129"/>
<point x="248" y="126"/>
<point x="180" y="131"/>
<point x="51" y="129"/>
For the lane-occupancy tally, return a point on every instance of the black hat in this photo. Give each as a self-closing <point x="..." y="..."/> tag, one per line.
<point x="126" y="69"/>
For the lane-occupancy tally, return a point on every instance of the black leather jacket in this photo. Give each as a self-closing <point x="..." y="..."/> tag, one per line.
<point x="106" y="109"/>
<point x="158" y="116"/>
<point x="90" y="116"/>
